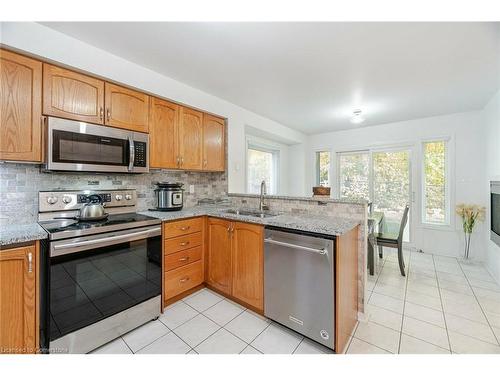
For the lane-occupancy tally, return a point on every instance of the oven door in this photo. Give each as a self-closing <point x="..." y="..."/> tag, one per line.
<point x="79" y="146"/>
<point x="95" y="277"/>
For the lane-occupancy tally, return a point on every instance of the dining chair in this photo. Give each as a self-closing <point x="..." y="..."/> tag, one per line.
<point x="394" y="240"/>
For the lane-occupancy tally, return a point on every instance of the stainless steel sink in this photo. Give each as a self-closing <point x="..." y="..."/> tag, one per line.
<point x="260" y="214"/>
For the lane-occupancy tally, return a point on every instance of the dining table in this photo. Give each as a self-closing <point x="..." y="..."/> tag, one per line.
<point x="376" y="224"/>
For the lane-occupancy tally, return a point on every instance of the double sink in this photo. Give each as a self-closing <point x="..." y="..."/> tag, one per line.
<point x="260" y="214"/>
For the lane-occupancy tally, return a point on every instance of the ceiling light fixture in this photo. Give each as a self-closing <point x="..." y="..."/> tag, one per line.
<point x="357" y="117"/>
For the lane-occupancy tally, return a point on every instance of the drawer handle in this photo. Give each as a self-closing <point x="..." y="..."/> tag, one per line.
<point x="183" y="259"/>
<point x="185" y="228"/>
<point x="184" y="243"/>
<point x="183" y="280"/>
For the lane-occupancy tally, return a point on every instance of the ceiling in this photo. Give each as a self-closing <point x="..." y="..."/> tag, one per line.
<point x="311" y="76"/>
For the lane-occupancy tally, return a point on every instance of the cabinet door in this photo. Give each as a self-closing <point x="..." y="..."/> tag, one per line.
<point x="248" y="264"/>
<point x="163" y="134"/>
<point x="20" y="108"/>
<point x="125" y="108"/>
<point x="219" y="255"/>
<point x="72" y="95"/>
<point x="18" y="300"/>
<point x="191" y="139"/>
<point x="213" y="143"/>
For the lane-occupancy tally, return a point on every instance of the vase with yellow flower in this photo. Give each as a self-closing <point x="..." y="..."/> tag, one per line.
<point x="470" y="214"/>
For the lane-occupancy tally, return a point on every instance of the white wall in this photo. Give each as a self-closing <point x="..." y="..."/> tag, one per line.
<point x="491" y="119"/>
<point x="46" y="43"/>
<point x="468" y="155"/>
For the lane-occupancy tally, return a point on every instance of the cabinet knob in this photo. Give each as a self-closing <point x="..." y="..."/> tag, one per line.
<point x="101" y="113"/>
<point x="183" y="280"/>
<point x="108" y="114"/>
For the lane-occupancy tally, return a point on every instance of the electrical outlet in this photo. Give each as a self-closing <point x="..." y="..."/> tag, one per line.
<point x="191" y="189"/>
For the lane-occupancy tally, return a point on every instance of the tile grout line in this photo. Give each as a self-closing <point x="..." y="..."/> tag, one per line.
<point x="404" y="304"/>
<point x="442" y="306"/>
<point x="480" y="306"/>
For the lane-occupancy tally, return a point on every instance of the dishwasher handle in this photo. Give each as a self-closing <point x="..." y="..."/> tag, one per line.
<point x="321" y="251"/>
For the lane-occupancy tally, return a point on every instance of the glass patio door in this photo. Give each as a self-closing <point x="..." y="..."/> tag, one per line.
<point x="391" y="187"/>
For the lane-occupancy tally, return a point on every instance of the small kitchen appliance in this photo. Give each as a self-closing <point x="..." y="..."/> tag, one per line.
<point x="169" y="196"/>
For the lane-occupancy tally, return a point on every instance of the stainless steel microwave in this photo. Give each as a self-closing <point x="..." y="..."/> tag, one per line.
<point x="83" y="147"/>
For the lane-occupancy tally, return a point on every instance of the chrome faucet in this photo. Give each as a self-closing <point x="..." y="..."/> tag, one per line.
<point x="262" y="205"/>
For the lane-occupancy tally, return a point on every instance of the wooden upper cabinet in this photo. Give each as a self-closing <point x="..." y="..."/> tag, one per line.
<point x="219" y="255"/>
<point x="72" y="95"/>
<point x="125" y="108"/>
<point x="248" y="263"/>
<point x="191" y="139"/>
<point x="18" y="300"/>
<point x="214" y="152"/>
<point x="20" y="108"/>
<point x="163" y="134"/>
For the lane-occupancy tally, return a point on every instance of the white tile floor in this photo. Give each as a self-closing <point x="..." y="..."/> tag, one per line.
<point x="207" y="323"/>
<point x="443" y="306"/>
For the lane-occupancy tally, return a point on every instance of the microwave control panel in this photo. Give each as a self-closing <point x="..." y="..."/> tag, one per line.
<point x="140" y="154"/>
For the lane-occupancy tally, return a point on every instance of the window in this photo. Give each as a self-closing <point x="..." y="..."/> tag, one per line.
<point x="354" y="175"/>
<point x="382" y="177"/>
<point x="435" y="193"/>
<point x="262" y="164"/>
<point x="323" y="168"/>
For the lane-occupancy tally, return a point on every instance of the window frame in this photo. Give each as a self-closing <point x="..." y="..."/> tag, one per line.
<point x="355" y="152"/>
<point x="316" y="167"/>
<point x="252" y="144"/>
<point x="448" y="194"/>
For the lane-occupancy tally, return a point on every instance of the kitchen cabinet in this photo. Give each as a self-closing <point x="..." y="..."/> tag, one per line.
<point x="163" y="134"/>
<point x="235" y="260"/>
<point x="183" y="257"/>
<point x="248" y="263"/>
<point x="219" y="271"/>
<point x="72" y="95"/>
<point x="21" y="108"/>
<point x="214" y="154"/>
<point x="18" y="299"/>
<point x="190" y="139"/>
<point x="126" y="108"/>
<point x="346" y="288"/>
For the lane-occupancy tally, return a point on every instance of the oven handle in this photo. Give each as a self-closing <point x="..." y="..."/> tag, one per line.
<point x="131" y="147"/>
<point x="75" y="247"/>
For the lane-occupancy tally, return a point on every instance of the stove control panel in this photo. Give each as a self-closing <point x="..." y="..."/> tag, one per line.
<point x="64" y="200"/>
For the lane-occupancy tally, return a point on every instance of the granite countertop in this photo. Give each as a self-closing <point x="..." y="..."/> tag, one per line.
<point x="316" y="198"/>
<point x="327" y="225"/>
<point x="18" y="233"/>
<point x="333" y="226"/>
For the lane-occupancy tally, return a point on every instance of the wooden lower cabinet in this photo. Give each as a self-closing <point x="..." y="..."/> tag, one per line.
<point x="219" y="255"/>
<point x="183" y="278"/>
<point x="183" y="257"/>
<point x="248" y="263"/>
<point x="18" y="299"/>
<point x="235" y="263"/>
<point x="346" y="288"/>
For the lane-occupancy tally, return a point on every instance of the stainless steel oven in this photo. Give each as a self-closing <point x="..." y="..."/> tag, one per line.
<point x="99" y="287"/>
<point x="495" y="212"/>
<point x="79" y="146"/>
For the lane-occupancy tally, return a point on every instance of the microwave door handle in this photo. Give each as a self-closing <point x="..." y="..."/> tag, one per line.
<point x="131" y="159"/>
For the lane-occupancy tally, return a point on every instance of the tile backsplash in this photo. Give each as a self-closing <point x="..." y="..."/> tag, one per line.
<point x="20" y="184"/>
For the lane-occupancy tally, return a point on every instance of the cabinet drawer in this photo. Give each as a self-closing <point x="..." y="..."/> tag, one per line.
<point x="181" y="258"/>
<point x="187" y="241"/>
<point x="182" y="279"/>
<point x="178" y="228"/>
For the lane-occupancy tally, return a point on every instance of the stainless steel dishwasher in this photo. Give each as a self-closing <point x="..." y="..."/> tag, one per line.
<point x="299" y="283"/>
